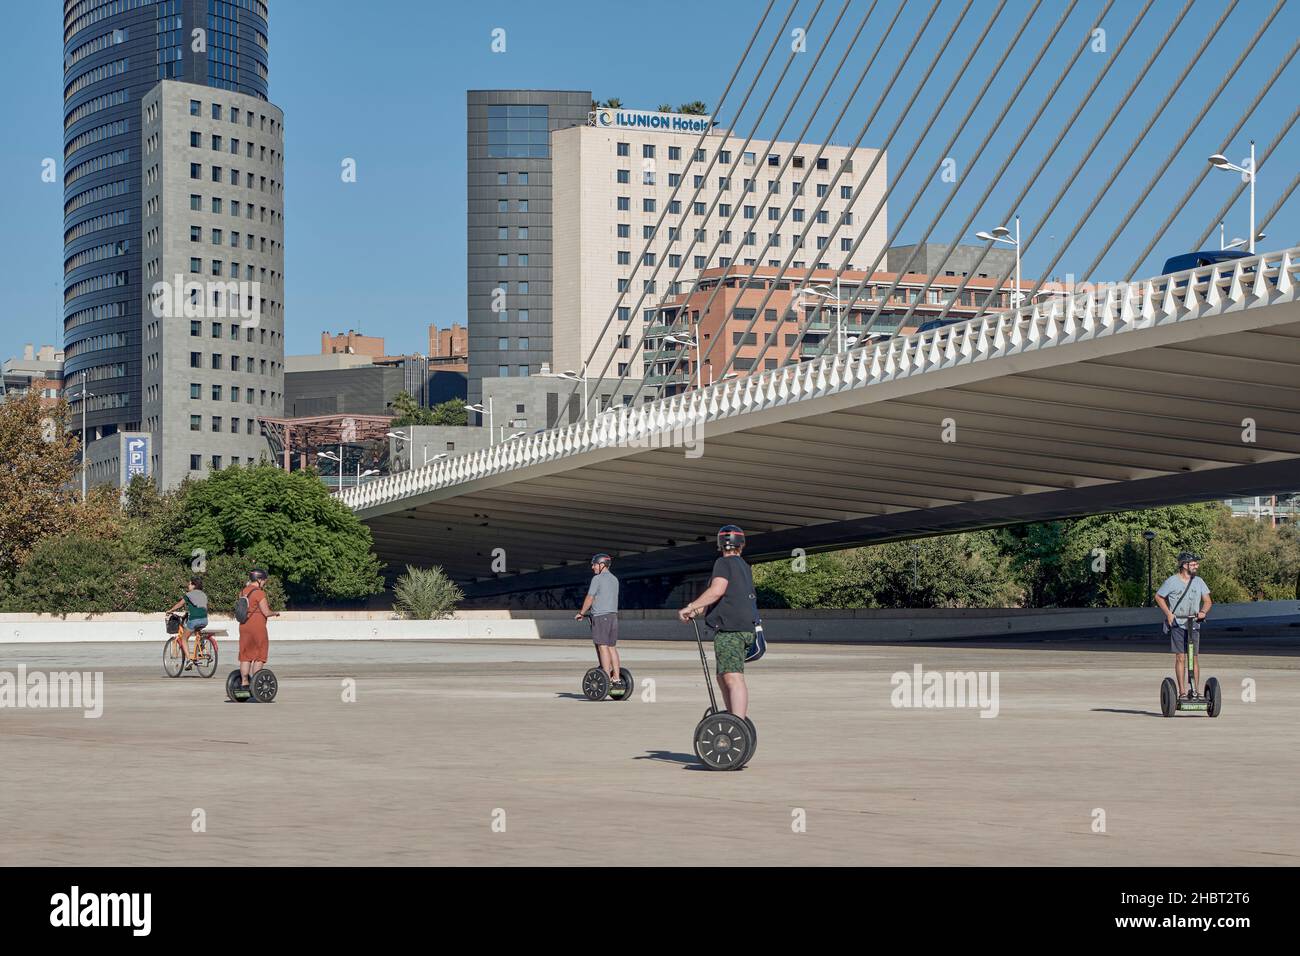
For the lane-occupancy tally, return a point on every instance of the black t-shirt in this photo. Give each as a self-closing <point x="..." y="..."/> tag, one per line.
<point x="735" y="609"/>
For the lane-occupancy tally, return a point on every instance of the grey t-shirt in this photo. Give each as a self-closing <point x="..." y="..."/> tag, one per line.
<point x="1187" y="605"/>
<point x="198" y="600"/>
<point x="604" y="593"/>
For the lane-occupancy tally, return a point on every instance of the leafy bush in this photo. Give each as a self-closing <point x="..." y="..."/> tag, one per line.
<point x="73" y="573"/>
<point x="287" y="523"/>
<point x="426" y="594"/>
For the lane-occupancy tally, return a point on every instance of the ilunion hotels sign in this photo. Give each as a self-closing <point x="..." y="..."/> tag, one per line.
<point x="645" y="119"/>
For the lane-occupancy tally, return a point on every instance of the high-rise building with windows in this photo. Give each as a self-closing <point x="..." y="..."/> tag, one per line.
<point x="132" y="71"/>
<point x="509" y="227"/>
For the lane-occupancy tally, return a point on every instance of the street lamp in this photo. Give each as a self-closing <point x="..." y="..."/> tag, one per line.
<point x="330" y="456"/>
<point x="1003" y="234"/>
<point x="824" y="292"/>
<point x="1239" y="242"/>
<point x="364" y="474"/>
<point x="479" y="409"/>
<point x="1150" y="536"/>
<point x="1219" y="161"/>
<point x="691" y="343"/>
<point x="83" y="395"/>
<point x="572" y="376"/>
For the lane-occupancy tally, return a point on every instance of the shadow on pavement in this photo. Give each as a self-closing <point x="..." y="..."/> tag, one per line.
<point x="690" y="761"/>
<point x="1116" y="710"/>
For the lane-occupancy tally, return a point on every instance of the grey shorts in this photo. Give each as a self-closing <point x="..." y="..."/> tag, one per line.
<point x="604" y="630"/>
<point x="1178" y="633"/>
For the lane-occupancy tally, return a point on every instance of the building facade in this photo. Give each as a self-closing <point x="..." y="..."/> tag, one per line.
<point x="213" y="223"/>
<point x="114" y="53"/>
<point x="508" y="281"/>
<point x="353" y="343"/>
<point x="630" y="200"/>
<point x="795" y="325"/>
<point x="38" y="370"/>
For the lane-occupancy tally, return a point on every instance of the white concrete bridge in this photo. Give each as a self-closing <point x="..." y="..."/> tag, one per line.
<point x="1178" y="388"/>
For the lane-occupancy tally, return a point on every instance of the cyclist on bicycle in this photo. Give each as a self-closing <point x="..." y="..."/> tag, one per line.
<point x="195" y="603"/>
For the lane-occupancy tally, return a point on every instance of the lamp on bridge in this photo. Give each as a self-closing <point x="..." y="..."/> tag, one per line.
<point x="1003" y="234"/>
<point x="1219" y="161"/>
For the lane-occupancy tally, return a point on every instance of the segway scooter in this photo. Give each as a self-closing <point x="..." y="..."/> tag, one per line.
<point x="596" y="684"/>
<point x="1171" y="703"/>
<point x="262" y="687"/>
<point x="722" y="741"/>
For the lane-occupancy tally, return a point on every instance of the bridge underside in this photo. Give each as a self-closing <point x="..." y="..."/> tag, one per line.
<point x="1166" y="416"/>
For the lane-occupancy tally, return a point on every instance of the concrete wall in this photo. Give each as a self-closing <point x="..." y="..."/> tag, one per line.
<point x="852" y="626"/>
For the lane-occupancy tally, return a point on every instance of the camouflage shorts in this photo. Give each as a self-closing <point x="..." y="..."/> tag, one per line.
<point x="729" y="649"/>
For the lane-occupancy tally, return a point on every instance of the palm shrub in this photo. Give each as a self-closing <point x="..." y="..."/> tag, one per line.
<point x="426" y="594"/>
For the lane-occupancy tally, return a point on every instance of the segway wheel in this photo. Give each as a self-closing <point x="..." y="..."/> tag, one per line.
<point x="723" y="742"/>
<point x="595" y="684"/>
<point x="753" y="732"/>
<point x="206" y="664"/>
<point x="623" y="688"/>
<point x="173" y="659"/>
<point x="263" y="685"/>
<point x="1214" y="695"/>
<point x="1168" y="697"/>
<point x="234" y="688"/>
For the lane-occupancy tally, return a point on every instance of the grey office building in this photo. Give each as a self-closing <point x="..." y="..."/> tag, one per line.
<point x="965" y="260"/>
<point x="509" y="227"/>
<point x="125" y="199"/>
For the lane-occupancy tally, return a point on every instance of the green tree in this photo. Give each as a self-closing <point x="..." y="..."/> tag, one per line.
<point x="410" y="412"/>
<point x="38" y="468"/>
<point x="665" y="107"/>
<point x="69" y="573"/>
<point x="614" y="103"/>
<point x="694" y="107"/>
<point x="289" y="524"/>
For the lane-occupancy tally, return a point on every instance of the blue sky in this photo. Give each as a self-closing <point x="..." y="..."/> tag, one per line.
<point x="385" y="84"/>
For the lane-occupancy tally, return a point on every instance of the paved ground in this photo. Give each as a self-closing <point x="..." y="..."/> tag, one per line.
<point x="444" y="735"/>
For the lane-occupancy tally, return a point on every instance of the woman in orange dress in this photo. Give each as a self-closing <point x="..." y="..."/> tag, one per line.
<point x="253" y="640"/>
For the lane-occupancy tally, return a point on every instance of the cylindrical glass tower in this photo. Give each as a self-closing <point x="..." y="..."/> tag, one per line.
<point x="115" y="52"/>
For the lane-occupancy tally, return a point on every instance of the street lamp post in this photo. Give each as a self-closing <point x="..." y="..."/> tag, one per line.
<point x="573" y="376"/>
<point x="330" y="456"/>
<point x="1150" y="536"/>
<point x="694" y="343"/>
<point x="479" y="409"/>
<point x="1219" y="161"/>
<point x="1003" y="234"/>
<point x="85" y="394"/>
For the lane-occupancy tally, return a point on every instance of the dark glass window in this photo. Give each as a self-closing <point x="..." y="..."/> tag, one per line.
<point x="518" y="132"/>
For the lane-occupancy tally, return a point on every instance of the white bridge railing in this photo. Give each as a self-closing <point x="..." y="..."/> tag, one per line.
<point x="1102" y="310"/>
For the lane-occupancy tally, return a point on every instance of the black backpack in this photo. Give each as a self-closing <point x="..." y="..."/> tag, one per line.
<point x="243" y="608"/>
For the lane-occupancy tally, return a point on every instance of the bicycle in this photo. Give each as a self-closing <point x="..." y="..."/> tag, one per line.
<point x="176" y="651"/>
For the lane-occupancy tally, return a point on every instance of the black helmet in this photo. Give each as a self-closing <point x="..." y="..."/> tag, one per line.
<point x="602" y="558"/>
<point x="1185" y="556"/>
<point x="257" y="574"/>
<point x="730" y="536"/>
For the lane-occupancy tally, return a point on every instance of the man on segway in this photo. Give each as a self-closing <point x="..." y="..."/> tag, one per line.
<point x="728" y="604"/>
<point x="1185" y="600"/>
<point x="601" y="603"/>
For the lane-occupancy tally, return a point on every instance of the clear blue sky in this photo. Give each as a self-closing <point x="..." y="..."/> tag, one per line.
<point x="385" y="84"/>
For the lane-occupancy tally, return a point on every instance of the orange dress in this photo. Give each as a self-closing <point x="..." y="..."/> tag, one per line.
<point x="253" y="640"/>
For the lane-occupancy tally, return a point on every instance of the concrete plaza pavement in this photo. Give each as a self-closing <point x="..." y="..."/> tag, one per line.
<point x="445" y="739"/>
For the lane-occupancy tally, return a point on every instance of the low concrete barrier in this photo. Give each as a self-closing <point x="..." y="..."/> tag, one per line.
<point x="853" y="626"/>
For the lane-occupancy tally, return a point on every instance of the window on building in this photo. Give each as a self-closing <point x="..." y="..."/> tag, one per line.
<point x="674" y="152"/>
<point x="623" y="175"/>
<point x="195" y="107"/>
<point x="523" y="259"/>
<point x="518" y="131"/>
<point x="621" y="149"/>
<point x="523" y="315"/>
<point x="846" y="192"/>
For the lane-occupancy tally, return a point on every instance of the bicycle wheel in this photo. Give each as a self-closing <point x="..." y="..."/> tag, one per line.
<point x="173" y="659"/>
<point x="206" y="657"/>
